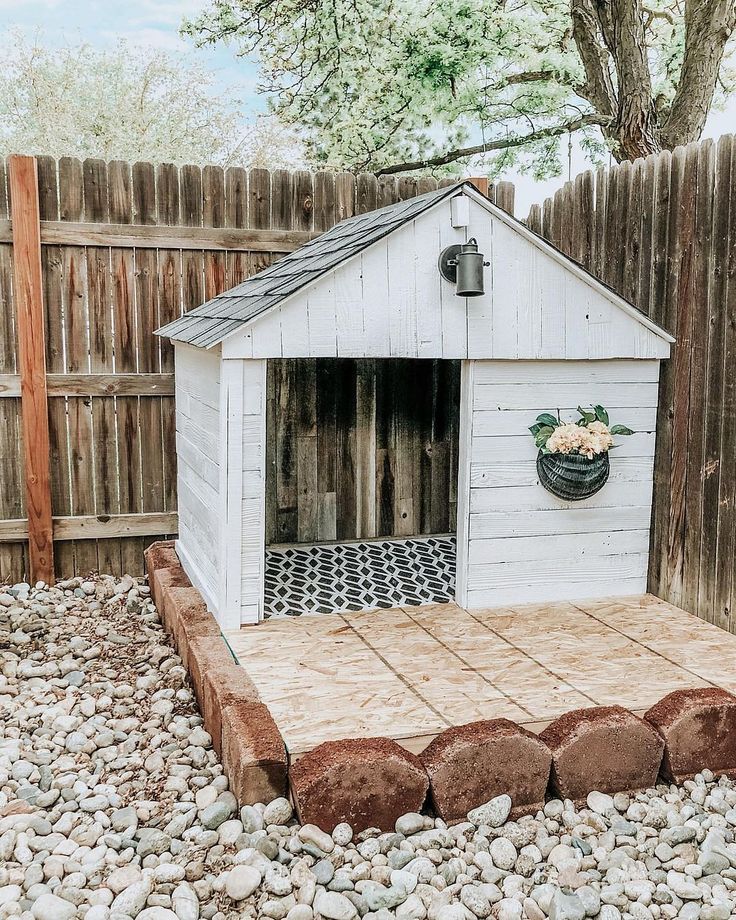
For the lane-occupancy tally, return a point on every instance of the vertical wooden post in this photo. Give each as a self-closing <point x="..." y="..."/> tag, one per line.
<point x="32" y="355"/>
<point x="481" y="183"/>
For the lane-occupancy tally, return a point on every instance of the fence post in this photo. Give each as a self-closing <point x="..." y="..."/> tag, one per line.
<point x="500" y="193"/>
<point x="24" y="213"/>
<point x="481" y="183"/>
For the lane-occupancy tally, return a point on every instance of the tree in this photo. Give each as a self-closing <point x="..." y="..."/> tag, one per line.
<point x="127" y="104"/>
<point x="398" y="85"/>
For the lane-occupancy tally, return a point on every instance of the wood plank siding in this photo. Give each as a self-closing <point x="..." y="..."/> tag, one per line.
<point x="361" y="448"/>
<point x="662" y="232"/>
<point x="525" y="543"/>
<point x="200" y="462"/>
<point x="389" y="301"/>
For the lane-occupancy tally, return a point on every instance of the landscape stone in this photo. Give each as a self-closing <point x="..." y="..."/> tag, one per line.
<point x="50" y="907"/>
<point x="493" y="813"/>
<point x="241" y="882"/>
<point x="121" y="828"/>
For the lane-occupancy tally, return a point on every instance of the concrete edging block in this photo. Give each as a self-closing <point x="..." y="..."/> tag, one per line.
<point x="698" y="728"/>
<point x="222" y="687"/>
<point x="253" y="753"/>
<point x="604" y="748"/>
<point x="470" y="764"/>
<point x="367" y="782"/>
<point x="242" y="729"/>
<point x="157" y="556"/>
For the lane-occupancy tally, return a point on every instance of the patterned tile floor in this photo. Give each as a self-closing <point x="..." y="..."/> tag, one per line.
<point x="359" y="576"/>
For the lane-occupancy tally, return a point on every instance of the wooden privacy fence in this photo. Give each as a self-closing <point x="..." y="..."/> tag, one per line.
<point x="662" y="232"/>
<point x="94" y="256"/>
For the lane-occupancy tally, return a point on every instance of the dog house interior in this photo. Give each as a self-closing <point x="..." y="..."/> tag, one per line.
<point x="352" y="422"/>
<point x="361" y="483"/>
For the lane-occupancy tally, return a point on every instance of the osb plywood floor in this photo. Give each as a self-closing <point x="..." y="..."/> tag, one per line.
<point x="410" y="672"/>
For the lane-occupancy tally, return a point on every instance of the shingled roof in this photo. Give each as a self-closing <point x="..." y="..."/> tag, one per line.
<point x="215" y="320"/>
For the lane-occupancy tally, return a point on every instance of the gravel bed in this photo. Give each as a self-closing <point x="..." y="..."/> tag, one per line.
<point x="113" y="806"/>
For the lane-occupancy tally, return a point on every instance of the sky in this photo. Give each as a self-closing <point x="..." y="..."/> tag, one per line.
<point x="156" y="23"/>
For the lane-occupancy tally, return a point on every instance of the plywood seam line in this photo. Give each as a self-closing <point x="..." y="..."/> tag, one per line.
<point x="466" y="664"/>
<point x="532" y="658"/>
<point x="387" y="664"/>
<point x="643" y="645"/>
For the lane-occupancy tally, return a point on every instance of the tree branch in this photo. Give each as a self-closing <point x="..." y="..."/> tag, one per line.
<point x="598" y="89"/>
<point x="501" y="144"/>
<point x="636" y="122"/>
<point x="708" y="26"/>
<point x="660" y="14"/>
<point x="529" y="76"/>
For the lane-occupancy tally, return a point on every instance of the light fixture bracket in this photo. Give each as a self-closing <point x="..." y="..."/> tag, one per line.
<point x="447" y="262"/>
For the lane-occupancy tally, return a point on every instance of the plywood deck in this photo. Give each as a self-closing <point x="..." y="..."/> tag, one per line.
<point x="409" y="673"/>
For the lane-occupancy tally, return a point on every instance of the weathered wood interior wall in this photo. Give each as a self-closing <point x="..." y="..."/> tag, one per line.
<point x="361" y="448"/>
<point x="662" y="232"/>
<point x="125" y="248"/>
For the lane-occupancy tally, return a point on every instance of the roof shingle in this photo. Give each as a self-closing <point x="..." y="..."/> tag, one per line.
<point x="215" y="320"/>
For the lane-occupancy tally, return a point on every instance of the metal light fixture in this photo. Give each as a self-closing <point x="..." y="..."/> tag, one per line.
<point x="462" y="265"/>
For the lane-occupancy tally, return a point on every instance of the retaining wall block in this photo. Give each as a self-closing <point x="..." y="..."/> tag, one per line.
<point x="205" y="654"/>
<point x="188" y="618"/>
<point x="163" y="579"/>
<point x="471" y="764"/>
<point x="368" y="782"/>
<point x="606" y="748"/>
<point x="222" y="687"/>
<point x="253" y="753"/>
<point x="159" y="555"/>
<point x="699" y="731"/>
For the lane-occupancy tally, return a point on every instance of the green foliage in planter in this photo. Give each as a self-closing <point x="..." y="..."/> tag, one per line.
<point x="546" y="424"/>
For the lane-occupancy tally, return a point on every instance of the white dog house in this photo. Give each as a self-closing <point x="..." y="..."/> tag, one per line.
<point x="545" y="335"/>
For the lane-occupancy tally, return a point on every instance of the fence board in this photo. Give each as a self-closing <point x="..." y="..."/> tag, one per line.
<point x="13" y="556"/>
<point x="126" y="248"/>
<point x="27" y="290"/>
<point x="662" y="233"/>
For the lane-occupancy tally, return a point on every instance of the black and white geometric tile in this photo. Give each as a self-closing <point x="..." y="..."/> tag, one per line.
<point x="359" y="576"/>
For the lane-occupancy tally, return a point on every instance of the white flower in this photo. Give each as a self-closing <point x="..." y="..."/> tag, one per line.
<point x="577" y="439"/>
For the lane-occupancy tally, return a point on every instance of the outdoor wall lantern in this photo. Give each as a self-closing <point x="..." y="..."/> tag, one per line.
<point x="462" y="265"/>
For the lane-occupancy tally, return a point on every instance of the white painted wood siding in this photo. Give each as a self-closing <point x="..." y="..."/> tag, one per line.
<point x="524" y="544"/>
<point x="220" y="443"/>
<point x="199" y="466"/>
<point x="243" y="517"/>
<point x="390" y="301"/>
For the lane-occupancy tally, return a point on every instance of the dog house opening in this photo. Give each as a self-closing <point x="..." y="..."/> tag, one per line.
<point x="361" y="483"/>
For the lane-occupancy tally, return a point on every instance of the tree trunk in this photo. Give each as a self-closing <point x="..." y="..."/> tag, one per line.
<point x="708" y="26"/>
<point x="636" y="120"/>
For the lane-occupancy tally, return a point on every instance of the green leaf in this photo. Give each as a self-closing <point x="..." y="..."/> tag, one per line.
<point x="547" y="419"/>
<point x="601" y="414"/>
<point x="541" y="437"/>
<point x="535" y="428"/>
<point x="586" y="416"/>
<point x="621" y="429"/>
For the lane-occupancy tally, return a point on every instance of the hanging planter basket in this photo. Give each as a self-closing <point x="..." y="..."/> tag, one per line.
<point x="573" y="477"/>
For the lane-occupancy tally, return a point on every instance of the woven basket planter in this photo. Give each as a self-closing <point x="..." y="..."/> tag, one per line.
<point x="572" y="476"/>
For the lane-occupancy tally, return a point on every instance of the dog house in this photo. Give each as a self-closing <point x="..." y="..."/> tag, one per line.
<point x="498" y="328"/>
